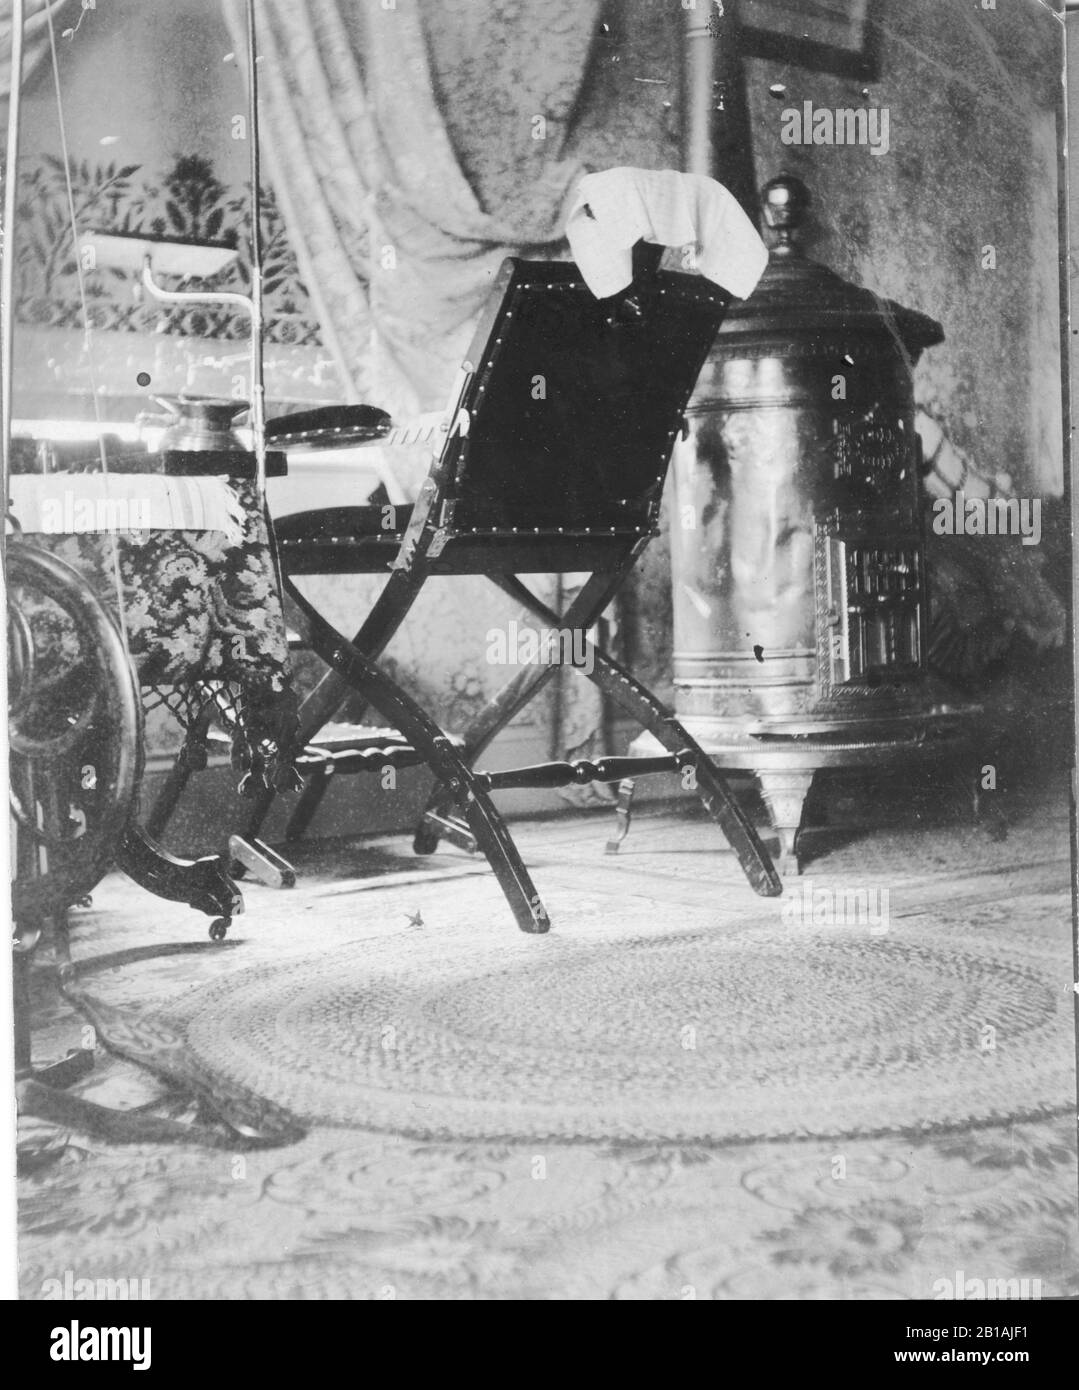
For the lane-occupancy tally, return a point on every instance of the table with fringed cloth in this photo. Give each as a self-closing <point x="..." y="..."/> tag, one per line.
<point x="200" y="606"/>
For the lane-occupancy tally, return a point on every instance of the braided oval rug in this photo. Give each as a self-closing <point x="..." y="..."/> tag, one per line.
<point x="641" y="1032"/>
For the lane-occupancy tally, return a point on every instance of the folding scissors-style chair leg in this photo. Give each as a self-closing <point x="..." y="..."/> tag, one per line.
<point x="388" y="612"/>
<point x="711" y="786"/>
<point x="521" y="690"/>
<point x="323" y="701"/>
<point x="441" y="756"/>
<point x="639" y="702"/>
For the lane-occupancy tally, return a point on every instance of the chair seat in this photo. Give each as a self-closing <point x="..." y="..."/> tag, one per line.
<point x="366" y="539"/>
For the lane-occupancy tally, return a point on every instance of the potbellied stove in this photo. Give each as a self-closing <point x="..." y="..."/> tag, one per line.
<point x="797" y="541"/>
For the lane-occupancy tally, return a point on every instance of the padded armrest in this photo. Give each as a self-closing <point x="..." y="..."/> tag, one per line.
<point x="328" y="425"/>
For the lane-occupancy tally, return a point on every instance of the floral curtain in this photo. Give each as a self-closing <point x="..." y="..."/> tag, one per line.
<point x="412" y="145"/>
<point x="399" y="207"/>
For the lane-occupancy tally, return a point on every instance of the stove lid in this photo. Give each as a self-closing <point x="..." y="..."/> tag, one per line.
<point x="799" y="299"/>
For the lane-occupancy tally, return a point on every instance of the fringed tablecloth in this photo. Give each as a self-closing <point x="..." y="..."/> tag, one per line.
<point x="201" y="611"/>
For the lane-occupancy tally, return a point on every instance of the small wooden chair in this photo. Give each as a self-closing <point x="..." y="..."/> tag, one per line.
<point x="553" y="458"/>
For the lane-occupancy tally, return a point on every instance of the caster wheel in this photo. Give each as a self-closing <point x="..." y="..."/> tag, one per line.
<point x="219" y="928"/>
<point x="288" y="878"/>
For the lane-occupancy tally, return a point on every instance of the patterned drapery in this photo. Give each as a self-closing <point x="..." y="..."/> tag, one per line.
<point x="381" y="171"/>
<point x="412" y="144"/>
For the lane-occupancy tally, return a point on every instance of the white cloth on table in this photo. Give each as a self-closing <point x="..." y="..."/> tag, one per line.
<point x="614" y="209"/>
<point x="55" y="503"/>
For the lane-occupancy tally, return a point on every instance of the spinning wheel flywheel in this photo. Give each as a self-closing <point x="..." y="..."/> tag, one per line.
<point x="75" y="732"/>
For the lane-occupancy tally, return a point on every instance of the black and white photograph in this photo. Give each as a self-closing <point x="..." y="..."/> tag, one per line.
<point x="539" y="559"/>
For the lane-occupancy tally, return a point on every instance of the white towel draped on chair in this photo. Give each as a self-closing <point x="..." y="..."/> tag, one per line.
<point x="616" y="208"/>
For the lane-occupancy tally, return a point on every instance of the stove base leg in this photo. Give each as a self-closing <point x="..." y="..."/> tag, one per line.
<point x="784" y="795"/>
<point x="623" y="814"/>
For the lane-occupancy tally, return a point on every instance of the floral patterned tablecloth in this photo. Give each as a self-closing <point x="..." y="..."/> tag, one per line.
<point x="204" y="625"/>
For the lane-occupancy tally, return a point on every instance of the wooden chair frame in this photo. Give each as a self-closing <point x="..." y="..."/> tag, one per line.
<point x="507" y="495"/>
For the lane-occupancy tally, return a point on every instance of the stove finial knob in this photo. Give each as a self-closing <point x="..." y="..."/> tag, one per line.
<point x="785" y="202"/>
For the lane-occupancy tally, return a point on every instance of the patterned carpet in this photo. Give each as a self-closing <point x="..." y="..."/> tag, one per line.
<point x="706" y="1201"/>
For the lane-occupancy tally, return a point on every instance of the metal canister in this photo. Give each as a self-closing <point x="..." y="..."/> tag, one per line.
<point x="200" y="424"/>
